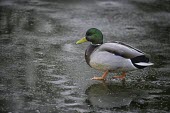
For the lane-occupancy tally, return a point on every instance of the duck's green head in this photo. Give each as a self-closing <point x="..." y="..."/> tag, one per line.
<point x="92" y="35"/>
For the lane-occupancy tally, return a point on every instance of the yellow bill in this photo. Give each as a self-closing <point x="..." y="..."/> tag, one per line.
<point x="81" y="40"/>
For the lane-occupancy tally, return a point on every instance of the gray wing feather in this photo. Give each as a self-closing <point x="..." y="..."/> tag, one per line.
<point x="122" y="43"/>
<point x="121" y="49"/>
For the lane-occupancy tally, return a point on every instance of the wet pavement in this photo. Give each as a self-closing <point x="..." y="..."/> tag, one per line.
<point x="42" y="70"/>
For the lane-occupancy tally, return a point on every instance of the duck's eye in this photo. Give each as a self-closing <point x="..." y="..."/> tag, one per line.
<point x="88" y="34"/>
<point x="88" y="38"/>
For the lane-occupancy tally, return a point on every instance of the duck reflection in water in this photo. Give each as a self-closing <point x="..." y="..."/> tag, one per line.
<point x="113" y="95"/>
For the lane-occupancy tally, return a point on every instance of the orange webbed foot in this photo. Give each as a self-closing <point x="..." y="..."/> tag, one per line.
<point x="102" y="77"/>
<point x="98" y="78"/>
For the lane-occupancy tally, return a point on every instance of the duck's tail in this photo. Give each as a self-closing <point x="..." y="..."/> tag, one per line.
<point x="141" y="62"/>
<point x="145" y="64"/>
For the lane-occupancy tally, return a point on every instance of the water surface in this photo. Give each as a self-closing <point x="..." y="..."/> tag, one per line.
<point x="43" y="71"/>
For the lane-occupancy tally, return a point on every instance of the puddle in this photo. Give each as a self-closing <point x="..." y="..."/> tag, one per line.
<point x="43" y="70"/>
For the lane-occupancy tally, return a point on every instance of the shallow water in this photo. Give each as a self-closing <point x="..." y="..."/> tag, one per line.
<point x="43" y="71"/>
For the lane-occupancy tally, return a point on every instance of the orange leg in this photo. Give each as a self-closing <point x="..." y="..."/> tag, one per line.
<point x="121" y="76"/>
<point x="102" y="77"/>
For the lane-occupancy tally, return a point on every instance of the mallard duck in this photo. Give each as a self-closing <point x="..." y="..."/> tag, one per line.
<point x="112" y="57"/>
